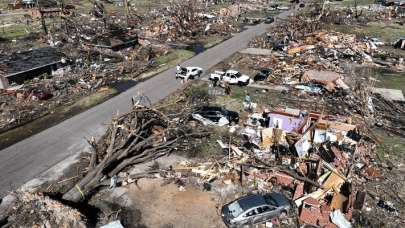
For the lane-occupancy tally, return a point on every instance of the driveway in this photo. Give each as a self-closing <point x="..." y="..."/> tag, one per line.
<point x="27" y="159"/>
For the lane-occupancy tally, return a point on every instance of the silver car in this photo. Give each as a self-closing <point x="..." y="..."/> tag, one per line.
<point x="254" y="209"/>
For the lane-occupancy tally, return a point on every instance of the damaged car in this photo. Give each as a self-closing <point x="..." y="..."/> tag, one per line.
<point x="262" y="74"/>
<point x="254" y="209"/>
<point x="212" y="115"/>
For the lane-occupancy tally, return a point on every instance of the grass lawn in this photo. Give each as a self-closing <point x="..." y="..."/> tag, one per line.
<point x="392" y="146"/>
<point x="386" y="31"/>
<point x="174" y="57"/>
<point x="386" y="79"/>
<point x="359" y="2"/>
<point x="392" y="81"/>
<point x="15" y="31"/>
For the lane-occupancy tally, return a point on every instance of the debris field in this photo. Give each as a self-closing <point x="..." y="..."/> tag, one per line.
<point x="306" y="124"/>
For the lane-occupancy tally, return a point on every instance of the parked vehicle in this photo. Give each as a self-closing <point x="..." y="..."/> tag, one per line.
<point x="233" y="77"/>
<point x="269" y="20"/>
<point x="254" y="209"/>
<point x="252" y="21"/>
<point x="189" y="72"/>
<point x="215" y="115"/>
<point x="262" y="74"/>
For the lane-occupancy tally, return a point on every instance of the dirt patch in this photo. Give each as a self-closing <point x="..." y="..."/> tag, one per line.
<point x="167" y="206"/>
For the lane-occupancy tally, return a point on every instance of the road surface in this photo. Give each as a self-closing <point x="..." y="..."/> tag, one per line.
<point x="29" y="158"/>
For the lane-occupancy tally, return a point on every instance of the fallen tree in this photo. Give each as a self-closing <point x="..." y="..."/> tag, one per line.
<point x="141" y="135"/>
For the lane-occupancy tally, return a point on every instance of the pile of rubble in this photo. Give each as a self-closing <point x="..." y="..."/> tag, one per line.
<point x="322" y="163"/>
<point x="100" y="49"/>
<point x="37" y="210"/>
<point x="319" y="161"/>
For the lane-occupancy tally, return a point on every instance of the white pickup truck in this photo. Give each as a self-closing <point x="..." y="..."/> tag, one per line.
<point x="189" y="72"/>
<point x="233" y="77"/>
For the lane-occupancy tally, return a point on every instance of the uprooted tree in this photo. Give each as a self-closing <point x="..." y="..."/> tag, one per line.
<point x="141" y="135"/>
<point x="185" y="15"/>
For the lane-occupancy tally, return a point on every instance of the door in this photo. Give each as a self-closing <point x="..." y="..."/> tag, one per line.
<point x="270" y="213"/>
<point x="248" y="218"/>
<point x="263" y="215"/>
<point x="227" y="77"/>
<point x="233" y="80"/>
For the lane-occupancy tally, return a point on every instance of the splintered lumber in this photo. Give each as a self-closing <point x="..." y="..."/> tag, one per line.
<point x="139" y="136"/>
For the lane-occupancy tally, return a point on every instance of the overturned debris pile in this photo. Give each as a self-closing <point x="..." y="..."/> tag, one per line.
<point x="141" y="135"/>
<point x="37" y="210"/>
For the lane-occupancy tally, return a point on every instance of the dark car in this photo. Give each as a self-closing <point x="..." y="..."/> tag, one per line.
<point x="254" y="209"/>
<point x="214" y="114"/>
<point x="269" y="20"/>
<point x="262" y="75"/>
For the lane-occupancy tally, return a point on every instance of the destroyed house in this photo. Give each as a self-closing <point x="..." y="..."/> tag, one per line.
<point x="114" y="40"/>
<point x="331" y="131"/>
<point x="19" y="4"/>
<point x="288" y="120"/>
<point x="22" y="66"/>
<point x="46" y="13"/>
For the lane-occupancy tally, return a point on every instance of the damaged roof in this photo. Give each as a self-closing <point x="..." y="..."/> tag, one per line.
<point x="27" y="60"/>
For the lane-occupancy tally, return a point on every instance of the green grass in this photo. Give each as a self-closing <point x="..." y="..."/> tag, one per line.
<point x="16" y="31"/>
<point x="211" y="41"/>
<point x="351" y="3"/>
<point x="392" y="146"/>
<point x="174" y="57"/>
<point x="392" y="81"/>
<point x="387" y="32"/>
<point x="94" y="99"/>
<point x="211" y="147"/>
<point x="386" y="79"/>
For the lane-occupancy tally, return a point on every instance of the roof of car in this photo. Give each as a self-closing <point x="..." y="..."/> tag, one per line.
<point x="232" y="71"/>
<point x="251" y="201"/>
<point x="279" y="199"/>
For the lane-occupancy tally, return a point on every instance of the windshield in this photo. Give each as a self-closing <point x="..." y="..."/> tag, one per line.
<point x="238" y="75"/>
<point x="235" y="209"/>
<point x="270" y="200"/>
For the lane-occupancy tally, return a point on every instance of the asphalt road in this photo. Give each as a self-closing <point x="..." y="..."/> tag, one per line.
<point x="29" y="158"/>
